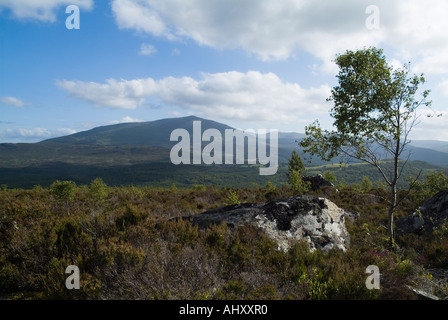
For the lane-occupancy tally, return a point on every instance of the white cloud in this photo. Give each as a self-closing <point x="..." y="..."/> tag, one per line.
<point x="420" y="30"/>
<point x="270" y="29"/>
<point x="125" y="119"/>
<point x="131" y="14"/>
<point x="122" y="94"/>
<point x="32" y="134"/>
<point x="147" y="49"/>
<point x="251" y="96"/>
<point x="42" y="10"/>
<point x="276" y="30"/>
<point x="12" y="101"/>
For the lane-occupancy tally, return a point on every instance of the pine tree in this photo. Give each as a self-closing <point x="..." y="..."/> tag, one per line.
<point x="296" y="170"/>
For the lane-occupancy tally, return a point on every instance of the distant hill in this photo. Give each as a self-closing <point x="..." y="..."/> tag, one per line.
<point x="139" y="152"/>
<point x="436" y="145"/>
<point x="22" y="155"/>
<point x="151" y="133"/>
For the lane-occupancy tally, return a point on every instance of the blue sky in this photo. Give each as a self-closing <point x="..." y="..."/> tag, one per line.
<point x="250" y="64"/>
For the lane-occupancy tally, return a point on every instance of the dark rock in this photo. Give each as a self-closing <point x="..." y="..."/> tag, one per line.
<point x="432" y="214"/>
<point x="233" y="215"/>
<point x="317" y="182"/>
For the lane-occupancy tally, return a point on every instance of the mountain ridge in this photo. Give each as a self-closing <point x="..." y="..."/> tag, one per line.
<point x="134" y="138"/>
<point x="141" y="150"/>
<point x="157" y="133"/>
<point x="136" y="133"/>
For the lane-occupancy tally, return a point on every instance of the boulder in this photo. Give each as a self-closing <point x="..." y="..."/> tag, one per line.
<point x="317" y="221"/>
<point x="432" y="214"/>
<point x="317" y="182"/>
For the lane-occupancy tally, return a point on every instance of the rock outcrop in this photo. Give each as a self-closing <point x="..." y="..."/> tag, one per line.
<point x="317" y="182"/>
<point x="430" y="215"/>
<point x="318" y="221"/>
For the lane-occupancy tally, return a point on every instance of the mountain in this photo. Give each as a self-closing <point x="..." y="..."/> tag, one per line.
<point x="140" y="153"/>
<point x="119" y="144"/>
<point x="432" y="156"/>
<point x="151" y="133"/>
<point x="437" y="145"/>
<point x="157" y="134"/>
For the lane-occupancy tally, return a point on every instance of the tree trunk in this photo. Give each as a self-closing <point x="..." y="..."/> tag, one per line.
<point x="393" y="203"/>
<point x="393" y="187"/>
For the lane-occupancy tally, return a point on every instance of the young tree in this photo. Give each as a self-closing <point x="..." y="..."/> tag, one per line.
<point x="296" y="170"/>
<point x="366" y="185"/>
<point x="63" y="191"/>
<point x="98" y="190"/>
<point x="374" y="112"/>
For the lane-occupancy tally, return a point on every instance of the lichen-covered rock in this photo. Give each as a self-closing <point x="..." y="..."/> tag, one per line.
<point x="318" y="221"/>
<point x="432" y="214"/>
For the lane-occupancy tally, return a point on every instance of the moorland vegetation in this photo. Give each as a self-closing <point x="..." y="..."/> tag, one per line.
<point x="126" y="248"/>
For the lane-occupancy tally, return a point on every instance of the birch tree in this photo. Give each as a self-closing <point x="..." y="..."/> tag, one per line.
<point x="375" y="109"/>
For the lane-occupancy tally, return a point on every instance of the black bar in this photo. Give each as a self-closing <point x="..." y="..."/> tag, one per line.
<point x="213" y="309"/>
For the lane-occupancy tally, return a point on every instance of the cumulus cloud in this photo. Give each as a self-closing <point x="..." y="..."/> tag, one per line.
<point x="275" y="30"/>
<point x="270" y="29"/>
<point x="122" y="94"/>
<point x="251" y="96"/>
<point x="42" y="10"/>
<point x="12" y="101"/>
<point x="131" y="14"/>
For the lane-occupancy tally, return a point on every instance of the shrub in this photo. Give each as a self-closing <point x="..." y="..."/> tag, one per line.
<point x="233" y="290"/>
<point x="129" y="249"/>
<point x="233" y="197"/>
<point x="432" y="184"/>
<point x="63" y="191"/>
<point x="329" y="176"/>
